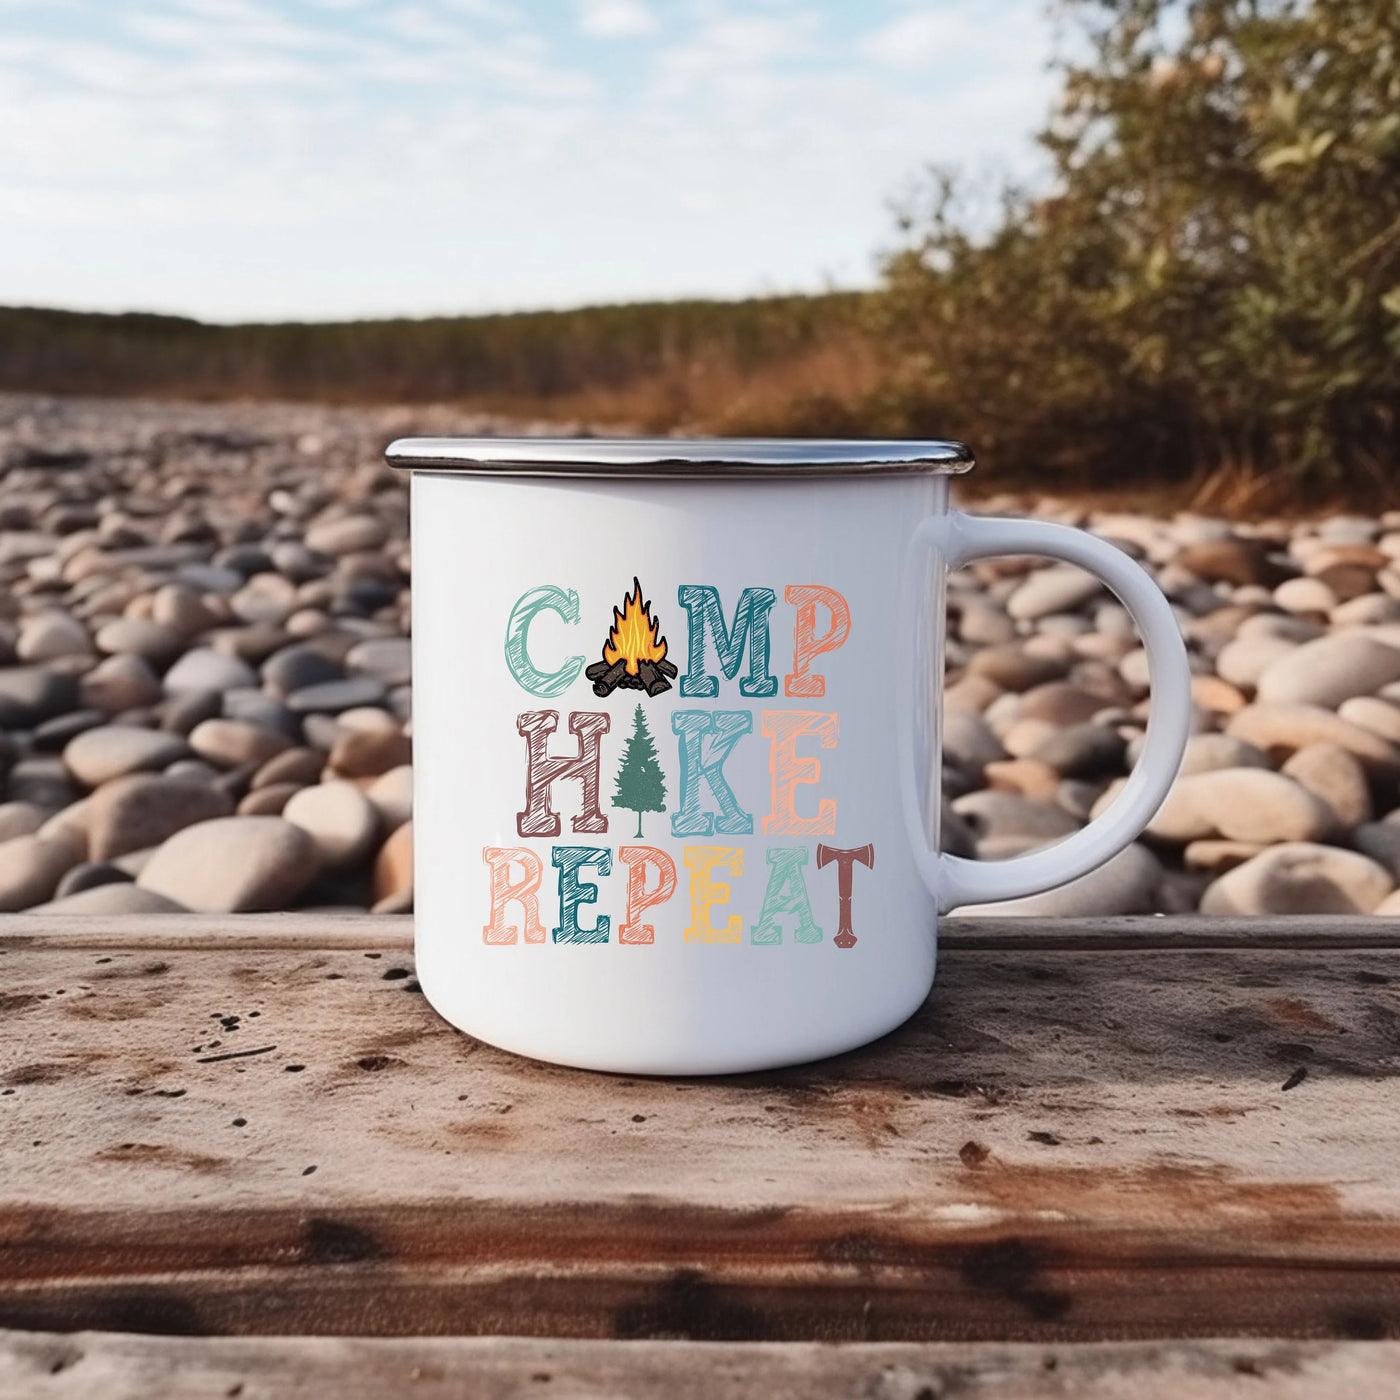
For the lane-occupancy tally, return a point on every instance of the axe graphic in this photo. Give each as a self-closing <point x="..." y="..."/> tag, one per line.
<point x="845" y="862"/>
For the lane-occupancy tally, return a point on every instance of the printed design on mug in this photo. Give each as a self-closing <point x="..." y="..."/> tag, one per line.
<point x="681" y="761"/>
<point x="634" y="655"/>
<point x="641" y="786"/>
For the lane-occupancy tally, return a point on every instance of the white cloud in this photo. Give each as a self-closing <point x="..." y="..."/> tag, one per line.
<point x="920" y="38"/>
<point x="271" y="160"/>
<point x="734" y="53"/>
<point x="615" y="19"/>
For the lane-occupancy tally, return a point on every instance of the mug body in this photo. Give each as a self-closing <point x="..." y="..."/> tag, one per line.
<point x="661" y="729"/>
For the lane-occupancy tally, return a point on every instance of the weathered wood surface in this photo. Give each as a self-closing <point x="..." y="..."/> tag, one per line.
<point x="37" y="1366"/>
<point x="1148" y="933"/>
<point x="241" y="1130"/>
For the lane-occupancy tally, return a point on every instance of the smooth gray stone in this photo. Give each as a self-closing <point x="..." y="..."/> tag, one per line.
<point x="31" y="694"/>
<point x="331" y="697"/>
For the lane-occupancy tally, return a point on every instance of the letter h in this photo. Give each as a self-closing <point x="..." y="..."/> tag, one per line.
<point x="539" y="818"/>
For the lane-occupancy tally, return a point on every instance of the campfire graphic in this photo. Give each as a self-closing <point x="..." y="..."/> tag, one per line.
<point x="634" y="655"/>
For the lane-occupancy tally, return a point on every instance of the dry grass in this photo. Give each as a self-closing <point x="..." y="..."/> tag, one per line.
<point x="817" y="391"/>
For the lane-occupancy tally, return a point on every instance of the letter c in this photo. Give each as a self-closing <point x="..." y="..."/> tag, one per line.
<point x="545" y="598"/>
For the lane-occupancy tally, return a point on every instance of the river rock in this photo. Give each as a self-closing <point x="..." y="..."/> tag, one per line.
<point x="1282" y="729"/>
<point x="42" y="780"/>
<point x="391" y="795"/>
<point x="1082" y="751"/>
<point x="979" y="622"/>
<point x="1228" y="561"/>
<point x="1336" y="777"/>
<point x="1217" y="856"/>
<point x="389" y="659"/>
<point x="234" y="865"/>
<point x="1003" y="814"/>
<point x="1354" y="555"/>
<point x="393" y="873"/>
<point x="141" y="637"/>
<point x="1369" y="610"/>
<point x="21" y="819"/>
<point x="112" y="900"/>
<point x="53" y="735"/>
<point x="971" y="692"/>
<point x="1060" y="702"/>
<point x="29" y="695"/>
<point x="114" y="750"/>
<point x="136" y="812"/>
<point x="1305" y="595"/>
<point x="1379" y="716"/>
<point x="1056" y="589"/>
<point x="30" y="869"/>
<point x="1012" y="667"/>
<point x="1241" y="804"/>
<point x="233" y="743"/>
<point x="1217" y="696"/>
<point x="207" y="669"/>
<point x="1027" y="776"/>
<point x="180" y="608"/>
<point x="265" y="598"/>
<point x="120" y="683"/>
<point x="967" y="740"/>
<point x="209" y="578"/>
<point x="1380" y="841"/>
<point x="1242" y="661"/>
<point x="348" y="535"/>
<point x="88" y="875"/>
<point x="269" y="800"/>
<point x="329" y="697"/>
<point x="1330" y="670"/>
<point x="368" y="753"/>
<point x="1300" y="878"/>
<point x="1025" y="736"/>
<point x="181" y="712"/>
<point x="51" y="635"/>
<point x="296" y="667"/>
<point x="339" y="818"/>
<point x="370" y="718"/>
<point x="299" y="765"/>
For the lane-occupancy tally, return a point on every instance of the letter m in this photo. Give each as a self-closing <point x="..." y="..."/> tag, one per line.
<point x="750" y="625"/>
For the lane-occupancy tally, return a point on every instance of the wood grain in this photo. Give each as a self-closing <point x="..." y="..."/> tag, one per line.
<point x="35" y="1366"/>
<point x="1147" y="933"/>
<point x="213" y="1136"/>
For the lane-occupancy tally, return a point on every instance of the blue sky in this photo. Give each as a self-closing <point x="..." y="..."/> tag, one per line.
<point x="240" y="159"/>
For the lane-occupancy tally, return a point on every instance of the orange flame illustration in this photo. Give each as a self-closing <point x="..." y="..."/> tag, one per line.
<point x="635" y="634"/>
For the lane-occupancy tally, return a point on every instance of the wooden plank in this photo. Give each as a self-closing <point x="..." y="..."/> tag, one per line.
<point x="1060" y="1145"/>
<point x="1146" y="933"/>
<point x="249" y="932"/>
<point x="38" y="1366"/>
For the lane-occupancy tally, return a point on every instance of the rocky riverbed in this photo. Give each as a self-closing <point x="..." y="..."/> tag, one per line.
<point x="206" y="701"/>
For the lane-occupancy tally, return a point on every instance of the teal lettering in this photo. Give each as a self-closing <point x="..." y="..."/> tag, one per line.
<point x="573" y="892"/>
<point x="702" y="604"/>
<point x="545" y="598"/>
<point x="786" y="897"/>
<point x="723" y="729"/>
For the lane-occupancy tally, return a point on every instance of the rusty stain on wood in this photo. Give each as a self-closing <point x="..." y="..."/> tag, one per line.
<point x="1064" y="1144"/>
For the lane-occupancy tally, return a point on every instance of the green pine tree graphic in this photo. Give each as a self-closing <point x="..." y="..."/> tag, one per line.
<point x="640" y="784"/>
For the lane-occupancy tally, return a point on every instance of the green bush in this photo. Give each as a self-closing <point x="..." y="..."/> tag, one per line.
<point x="1213" y="282"/>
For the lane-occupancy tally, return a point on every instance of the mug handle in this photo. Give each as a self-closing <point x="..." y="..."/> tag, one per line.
<point x="954" y="880"/>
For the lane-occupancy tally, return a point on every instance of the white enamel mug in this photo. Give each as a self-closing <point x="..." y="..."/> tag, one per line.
<point x="677" y="741"/>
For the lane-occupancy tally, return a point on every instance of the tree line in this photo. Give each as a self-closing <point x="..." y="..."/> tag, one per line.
<point x="1203" y="293"/>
